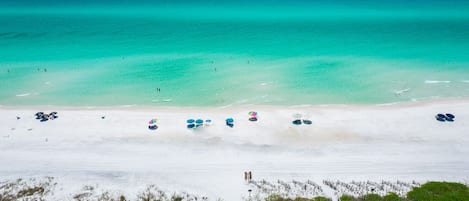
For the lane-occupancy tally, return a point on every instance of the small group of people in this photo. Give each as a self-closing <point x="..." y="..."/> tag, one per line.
<point x="45" y="70"/>
<point x="248" y="176"/>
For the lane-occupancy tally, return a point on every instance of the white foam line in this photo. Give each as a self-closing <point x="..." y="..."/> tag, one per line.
<point x="225" y="106"/>
<point x="436" y="81"/>
<point x="128" y="105"/>
<point x="399" y="92"/>
<point x="387" y="104"/>
<point x="21" y="95"/>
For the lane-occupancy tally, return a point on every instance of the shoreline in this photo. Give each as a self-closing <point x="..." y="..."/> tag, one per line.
<point x="404" y="104"/>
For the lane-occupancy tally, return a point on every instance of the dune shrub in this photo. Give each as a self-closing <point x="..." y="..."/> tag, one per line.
<point x="439" y="191"/>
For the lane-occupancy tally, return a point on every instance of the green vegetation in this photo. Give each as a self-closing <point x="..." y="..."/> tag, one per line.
<point x="373" y="197"/>
<point x="439" y="191"/>
<point x="431" y="191"/>
<point x="320" y="198"/>
<point x="347" y="198"/>
<point x="40" y="189"/>
<point x="392" y="197"/>
<point x="276" y="197"/>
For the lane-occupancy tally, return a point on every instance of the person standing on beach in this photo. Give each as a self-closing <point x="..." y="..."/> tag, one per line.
<point x="245" y="176"/>
<point x="249" y="176"/>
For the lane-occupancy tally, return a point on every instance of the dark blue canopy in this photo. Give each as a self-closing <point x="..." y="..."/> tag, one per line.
<point x="297" y="122"/>
<point x="190" y="125"/>
<point x="230" y="120"/>
<point x="190" y="121"/>
<point x="440" y="118"/>
<point x="451" y="116"/>
<point x="152" y="127"/>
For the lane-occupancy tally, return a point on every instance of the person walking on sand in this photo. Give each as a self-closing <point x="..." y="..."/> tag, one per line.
<point x="245" y="176"/>
<point x="249" y="176"/>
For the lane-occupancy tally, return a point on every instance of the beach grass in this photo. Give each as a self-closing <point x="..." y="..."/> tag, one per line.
<point x="430" y="191"/>
<point x="45" y="189"/>
<point x="275" y="197"/>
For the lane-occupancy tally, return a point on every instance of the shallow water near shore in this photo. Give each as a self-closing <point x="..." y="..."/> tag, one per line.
<point x="98" y="56"/>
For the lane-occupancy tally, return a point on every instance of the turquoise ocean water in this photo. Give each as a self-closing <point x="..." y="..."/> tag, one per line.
<point x="216" y="53"/>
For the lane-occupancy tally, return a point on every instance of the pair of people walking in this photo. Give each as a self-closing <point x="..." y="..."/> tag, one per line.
<point x="248" y="176"/>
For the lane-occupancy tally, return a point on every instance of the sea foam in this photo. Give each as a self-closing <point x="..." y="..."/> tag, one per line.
<point x="436" y="81"/>
<point x="22" y="95"/>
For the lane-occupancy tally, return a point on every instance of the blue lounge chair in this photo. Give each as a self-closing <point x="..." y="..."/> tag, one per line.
<point x="296" y="122"/>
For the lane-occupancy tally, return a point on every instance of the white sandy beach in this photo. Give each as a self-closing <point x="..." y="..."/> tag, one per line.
<point x="374" y="142"/>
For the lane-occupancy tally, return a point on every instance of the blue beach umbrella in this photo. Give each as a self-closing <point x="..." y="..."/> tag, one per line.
<point x="229" y="122"/>
<point x="296" y="122"/>
<point x="449" y="115"/>
<point x="199" y="121"/>
<point x="440" y="117"/>
<point x="190" y="121"/>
